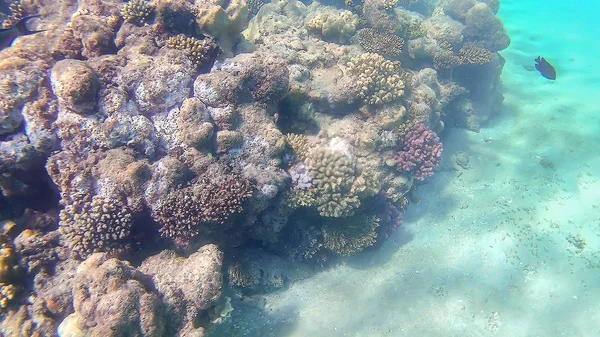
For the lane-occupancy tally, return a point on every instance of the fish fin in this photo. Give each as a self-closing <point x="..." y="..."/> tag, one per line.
<point x="22" y="25"/>
<point x="538" y="59"/>
<point x="537" y="67"/>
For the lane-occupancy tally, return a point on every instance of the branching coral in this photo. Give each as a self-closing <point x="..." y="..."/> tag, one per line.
<point x="201" y="52"/>
<point x="421" y="152"/>
<point x="300" y="144"/>
<point x="136" y="11"/>
<point x="470" y="53"/>
<point x="96" y="224"/>
<point x="379" y="79"/>
<point x="184" y="211"/>
<point x="350" y="235"/>
<point x="381" y="43"/>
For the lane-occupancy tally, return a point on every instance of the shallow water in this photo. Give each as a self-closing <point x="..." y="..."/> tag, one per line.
<point x="508" y="247"/>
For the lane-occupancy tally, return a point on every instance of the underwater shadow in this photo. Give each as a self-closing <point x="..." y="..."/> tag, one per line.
<point x="380" y="254"/>
<point x="252" y="317"/>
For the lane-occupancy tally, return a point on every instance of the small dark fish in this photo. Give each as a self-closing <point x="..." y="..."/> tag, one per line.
<point x="545" y="68"/>
<point x="8" y="35"/>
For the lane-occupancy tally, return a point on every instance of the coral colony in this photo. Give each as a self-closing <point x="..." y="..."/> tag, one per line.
<point x="155" y="153"/>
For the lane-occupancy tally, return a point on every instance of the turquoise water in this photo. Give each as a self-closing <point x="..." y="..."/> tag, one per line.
<point x="510" y="247"/>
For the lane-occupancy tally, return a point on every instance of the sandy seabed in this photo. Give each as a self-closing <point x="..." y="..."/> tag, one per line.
<point x="509" y="246"/>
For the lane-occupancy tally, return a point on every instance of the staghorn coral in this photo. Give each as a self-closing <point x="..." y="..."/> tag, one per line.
<point x="350" y="235"/>
<point x="95" y="224"/>
<point x="381" y="43"/>
<point x="136" y="11"/>
<point x="379" y="80"/>
<point x="421" y="152"/>
<point x="470" y="53"/>
<point x="200" y="52"/>
<point x="335" y="25"/>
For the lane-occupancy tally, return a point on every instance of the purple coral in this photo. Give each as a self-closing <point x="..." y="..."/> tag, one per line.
<point x="421" y="152"/>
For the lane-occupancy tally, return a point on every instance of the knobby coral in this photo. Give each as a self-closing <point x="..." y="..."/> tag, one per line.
<point x="379" y="79"/>
<point x="96" y="224"/>
<point x="421" y="152"/>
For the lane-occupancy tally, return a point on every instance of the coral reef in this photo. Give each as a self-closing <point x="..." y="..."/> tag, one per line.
<point x="136" y="11"/>
<point x="350" y="235"/>
<point x="421" y="152"/>
<point x="333" y="25"/>
<point x="147" y="129"/>
<point x="201" y="52"/>
<point x="381" y="43"/>
<point x="110" y="299"/>
<point x="378" y="79"/>
<point x="188" y="286"/>
<point x="184" y="211"/>
<point x="95" y="224"/>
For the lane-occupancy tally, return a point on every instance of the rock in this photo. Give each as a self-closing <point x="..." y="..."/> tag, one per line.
<point x="75" y="85"/>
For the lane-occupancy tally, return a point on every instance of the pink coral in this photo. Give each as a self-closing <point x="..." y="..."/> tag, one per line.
<point x="421" y="152"/>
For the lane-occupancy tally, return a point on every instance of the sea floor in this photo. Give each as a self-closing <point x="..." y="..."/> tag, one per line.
<point x="509" y="246"/>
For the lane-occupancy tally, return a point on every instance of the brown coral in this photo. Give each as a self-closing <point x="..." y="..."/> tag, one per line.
<point x="184" y="211"/>
<point x="350" y="235"/>
<point x="470" y="53"/>
<point x="381" y="43"/>
<point x="96" y="224"/>
<point x="200" y="52"/>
